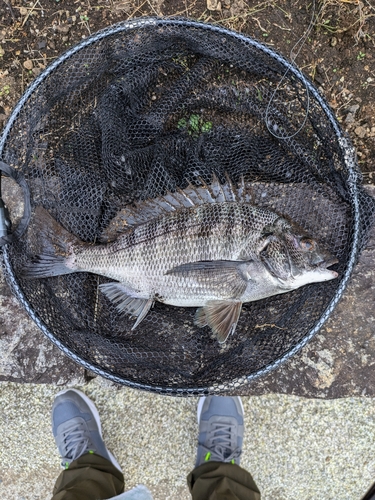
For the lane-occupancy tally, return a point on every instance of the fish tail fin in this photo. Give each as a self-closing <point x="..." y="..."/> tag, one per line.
<point x="56" y="248"/>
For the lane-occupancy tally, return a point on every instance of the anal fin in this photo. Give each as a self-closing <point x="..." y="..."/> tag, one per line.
<point x="127" y="300"/>
<point x="221" y="316"/>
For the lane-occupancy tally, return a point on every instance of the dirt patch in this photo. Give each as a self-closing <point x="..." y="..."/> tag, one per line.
<point x="337" y="54"/>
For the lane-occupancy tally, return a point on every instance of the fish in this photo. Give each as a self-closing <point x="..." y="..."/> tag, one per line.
<point x="204" y="246"/>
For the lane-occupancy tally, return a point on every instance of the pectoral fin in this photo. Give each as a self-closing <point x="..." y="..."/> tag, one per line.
<point x="233" y="275"/>
<point x="221" y="316"/>
<point x="127" y="300"/>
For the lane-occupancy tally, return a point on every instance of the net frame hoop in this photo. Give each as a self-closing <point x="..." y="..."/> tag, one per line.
<point x="349" y="158"/>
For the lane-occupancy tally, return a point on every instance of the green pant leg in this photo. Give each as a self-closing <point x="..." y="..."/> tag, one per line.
<point x="222" y="481"/>
<point x="90" y="477"/>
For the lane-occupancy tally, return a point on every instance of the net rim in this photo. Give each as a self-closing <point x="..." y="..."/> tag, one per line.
<point x="349" y="158"/>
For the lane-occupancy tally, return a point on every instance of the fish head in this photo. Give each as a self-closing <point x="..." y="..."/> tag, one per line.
<point x="294" y="257"/>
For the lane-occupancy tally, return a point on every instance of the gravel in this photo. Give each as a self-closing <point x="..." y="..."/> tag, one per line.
<point x="293" y="447"/>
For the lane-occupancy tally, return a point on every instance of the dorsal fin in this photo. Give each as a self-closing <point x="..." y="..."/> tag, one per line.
<point x="149" y="209"/>
<point x="182" y="199"/>
<point x="198" y="194"/>
<point x="230" y="191"/>
<point x="192" y="196"/>
<point x="217" y="190"/>
<point x="244" y="192"/>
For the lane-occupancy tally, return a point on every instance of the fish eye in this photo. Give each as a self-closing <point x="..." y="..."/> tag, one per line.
<point x="307" y="244"/>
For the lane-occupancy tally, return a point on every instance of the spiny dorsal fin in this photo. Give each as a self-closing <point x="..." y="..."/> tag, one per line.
<point x="182" y="199"/>
<point x="217" y="190"/>
<point x="230" y="191"/>
<point x="192" y="196"/>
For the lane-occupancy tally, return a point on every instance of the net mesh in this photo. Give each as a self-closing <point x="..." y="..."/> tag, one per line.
<point x="144" y="108"/>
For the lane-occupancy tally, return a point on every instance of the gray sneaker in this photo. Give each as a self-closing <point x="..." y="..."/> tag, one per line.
<point x="76" y="427"/>
<point x="221" y="429"/>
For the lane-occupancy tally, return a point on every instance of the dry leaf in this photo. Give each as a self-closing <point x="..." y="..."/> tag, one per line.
<point x="28" y="64"/>
<point x="213" y="5"/>
<point x="122" y="6"/>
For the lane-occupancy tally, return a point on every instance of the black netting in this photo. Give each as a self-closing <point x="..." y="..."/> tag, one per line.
<point x="147" y="107"/>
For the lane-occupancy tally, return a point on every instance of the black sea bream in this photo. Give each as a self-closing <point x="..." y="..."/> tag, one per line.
<point x="205" y="247"/>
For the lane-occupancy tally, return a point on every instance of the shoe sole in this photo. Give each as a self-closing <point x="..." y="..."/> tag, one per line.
<point x="201" y="403"/>
<point x="95" y="413"/>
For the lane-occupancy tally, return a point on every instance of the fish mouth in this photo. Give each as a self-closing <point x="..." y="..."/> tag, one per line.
<point x="328" y="262"/>
<point x="324" y="264"/>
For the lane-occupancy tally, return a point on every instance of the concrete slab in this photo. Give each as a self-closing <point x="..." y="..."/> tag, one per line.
<point x="294" y="447"/>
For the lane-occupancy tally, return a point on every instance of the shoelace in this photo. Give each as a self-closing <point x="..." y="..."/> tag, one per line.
<point x="220" y="439"/>
<point x="74" y="442"/>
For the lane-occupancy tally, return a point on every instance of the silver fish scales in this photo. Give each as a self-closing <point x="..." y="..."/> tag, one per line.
<point x="204" y="247"/>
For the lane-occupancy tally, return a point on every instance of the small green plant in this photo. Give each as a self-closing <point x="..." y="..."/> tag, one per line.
<point x="181" y="123"/>
<point x="206" y="127"/>
<point x="181" y="60"/>
<point x="361" y="56"/>
<point x="326" y="25"/>
<point x="194" y="125"/>
<point x="84" y="18"/>
<point x="5" y="90"/>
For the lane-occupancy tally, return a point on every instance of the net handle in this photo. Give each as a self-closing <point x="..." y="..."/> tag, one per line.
<point x="6" y="235"/>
